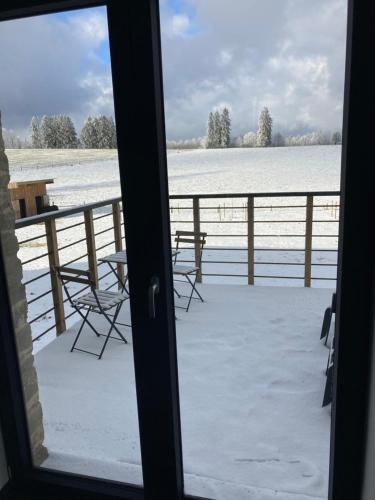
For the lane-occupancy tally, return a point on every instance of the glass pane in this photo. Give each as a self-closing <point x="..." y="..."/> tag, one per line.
<point x="64" y="191"/>
<point x="253" y="99"/>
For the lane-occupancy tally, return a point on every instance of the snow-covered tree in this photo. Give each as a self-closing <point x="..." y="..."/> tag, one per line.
<point x="13" y="141"/>
<point x="225" y="129"/>
<point x="36" y="141"/>
<point x="238" y="141"/>
<point x="99" y="132"/>
<point x="318" y="138"/>
<point x="89" y="136"/>
<point x="106" y="132"/>
<point x="112" y="136"/>
<point x="264" y="129"/>
<point x="48" y="132"/>
<point x="249" y="140"/>
<point x="336" y="138"/>
<point x="194" y="143"/>
<point x="311" y="139"/>
<point x="210" y="143"/>
<point x="66" y="132"/>
<point x="56" y="132"/>
<point x="217" y="129"/>
<point x="278" y="140"/>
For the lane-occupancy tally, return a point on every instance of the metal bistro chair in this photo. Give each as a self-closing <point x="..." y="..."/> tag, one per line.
<point x="96" y="301"/>
<point x="189" y="272"/>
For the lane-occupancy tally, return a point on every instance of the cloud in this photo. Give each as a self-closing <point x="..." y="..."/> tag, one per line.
<point x="92" y="27"/>
<point x="225" y="57"/>
<point x="51" y="65"/>
<point x="178" y="25"/>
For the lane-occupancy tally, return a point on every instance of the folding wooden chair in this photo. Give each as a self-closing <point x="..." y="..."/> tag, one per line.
<point x="190" y="273"/>
<point x="96" y="301"/>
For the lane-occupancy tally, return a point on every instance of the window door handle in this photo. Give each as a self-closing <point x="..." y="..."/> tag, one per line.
<point x="153" y="290"/>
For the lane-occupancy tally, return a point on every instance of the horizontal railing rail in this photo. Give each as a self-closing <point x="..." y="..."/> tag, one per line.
<point x="63" y="212"/>
<point x="241" y="254"/>
<point x="272" y="194"/>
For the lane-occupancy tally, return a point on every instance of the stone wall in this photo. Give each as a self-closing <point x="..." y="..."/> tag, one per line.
<point x="22" y="329"/>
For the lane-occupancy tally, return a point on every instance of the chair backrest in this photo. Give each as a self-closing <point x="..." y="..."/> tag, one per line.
<point x="70" y="274"/>
<point x="192" y="238"/>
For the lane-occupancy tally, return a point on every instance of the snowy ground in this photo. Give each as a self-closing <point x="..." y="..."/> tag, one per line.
<point x="22" y="159"/>
<point x="251" y="370"/>
<point x="306" y="168"/>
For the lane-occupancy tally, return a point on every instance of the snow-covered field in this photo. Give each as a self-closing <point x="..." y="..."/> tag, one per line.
<point x="80" y="179"/>
<point x="42" y="158"/>
<point x="83" y="174"/>
<point x="251" y="373"/>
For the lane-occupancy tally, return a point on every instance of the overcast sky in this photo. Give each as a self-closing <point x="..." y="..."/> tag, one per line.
<point x="287" y="55"/>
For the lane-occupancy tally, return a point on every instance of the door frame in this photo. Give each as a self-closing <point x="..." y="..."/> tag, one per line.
<point x="354" y="329"/>
<point x="355" y="288"/>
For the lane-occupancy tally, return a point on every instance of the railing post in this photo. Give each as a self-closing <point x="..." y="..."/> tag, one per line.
<point x="250" y="240"/>
<point x="197" y="229"/>
<point x="116" y="211"/>
<point x="91" y="247"/>
<point x="57" y="292"/>
<point x="308" y="239"/>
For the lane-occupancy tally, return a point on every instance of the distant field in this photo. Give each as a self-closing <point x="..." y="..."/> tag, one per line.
<point x="56" y="157"/>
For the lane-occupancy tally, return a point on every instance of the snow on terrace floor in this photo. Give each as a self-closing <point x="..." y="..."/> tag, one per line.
<point x="251" y="371"/>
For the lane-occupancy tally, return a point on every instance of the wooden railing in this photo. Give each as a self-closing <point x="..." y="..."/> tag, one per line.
<point x="253" y="213"/>
<point x="302" y="204"/>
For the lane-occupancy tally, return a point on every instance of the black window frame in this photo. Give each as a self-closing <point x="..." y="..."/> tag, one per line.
<point x="355" y="299"/>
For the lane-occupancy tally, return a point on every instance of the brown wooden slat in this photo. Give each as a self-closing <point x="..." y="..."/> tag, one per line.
<point x="191" y="240"/>
<point x="250" y="240"/>
<point x="91" y="246"/>
<point x="56" y="286"/>
<point x="76" y="279"/>
<point x="308" y="239"/>
<point x="73" y="270"/>
<point x="118" y="239"/>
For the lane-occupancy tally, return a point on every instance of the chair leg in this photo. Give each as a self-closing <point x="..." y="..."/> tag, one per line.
<point x="122" y="284"/>
<point x="81" y="327"/>
<point x="112" y="323"/>
<point x="193" y="289"/>
<point x="125" y="281"/>
<point x="176" y="292"/>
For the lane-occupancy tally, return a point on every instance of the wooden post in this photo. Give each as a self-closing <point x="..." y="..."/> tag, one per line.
<point x="250" y="240"/>
<point x="308" y="239"/>
<point x="91" y="247"/>
<point x="56" y="286"/>
<point x="197" y="229"/>
<point x="116" y="211"/>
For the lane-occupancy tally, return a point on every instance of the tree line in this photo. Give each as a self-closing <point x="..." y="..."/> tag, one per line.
<point x="99" y="132"/>
<point x="219" y="127"/>
<point x="58" y="132"/>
